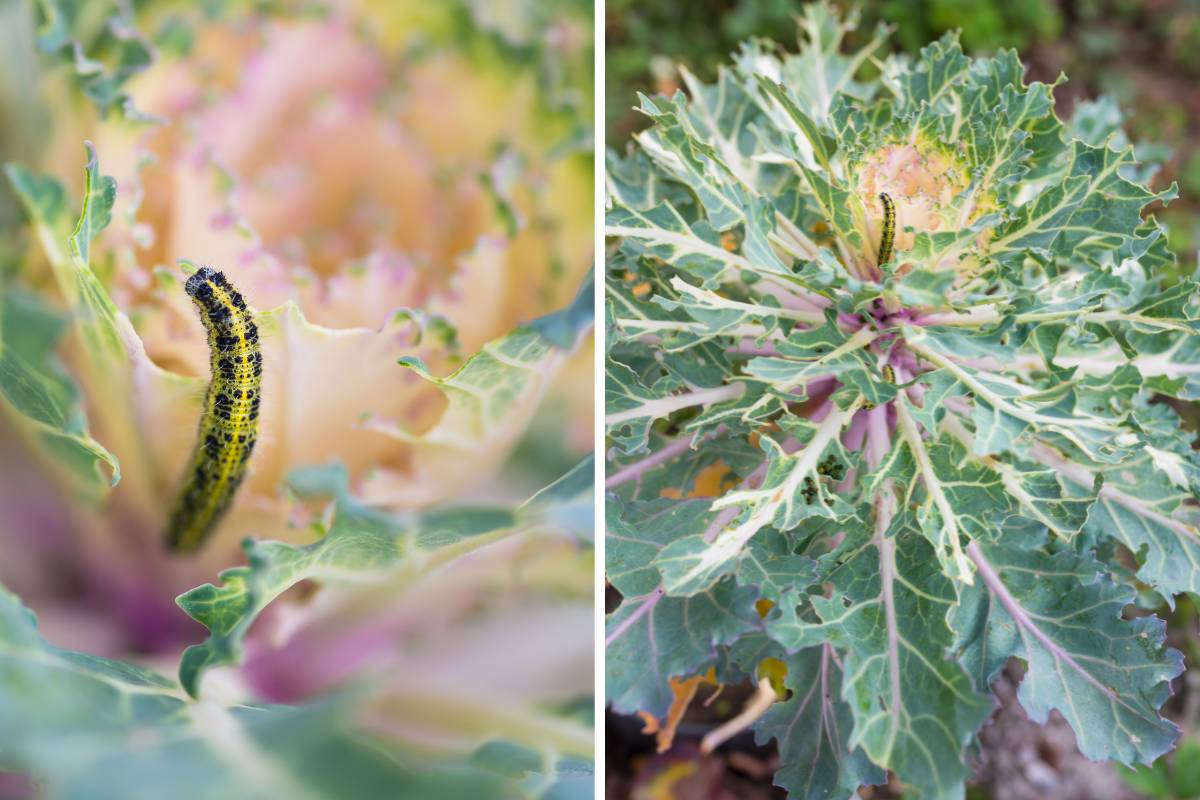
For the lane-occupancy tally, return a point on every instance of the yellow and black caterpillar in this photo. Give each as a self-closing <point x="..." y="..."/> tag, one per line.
<point x="888" y="239"/>
<point x="229" y="423"/>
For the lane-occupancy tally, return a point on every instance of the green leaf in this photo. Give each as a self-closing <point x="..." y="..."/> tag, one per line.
<point x="653" y="638"/>
<point x="681" y="634"/>
<point x="820" y="72"/>
<point x="632" y="405"/>
<point x="1106" y="675"/>
<point x="1140" y="507"/>
<point x="1089" y="211"/>
<point x="792" y="489"/>
<point x="662" y="232"/>
<point x="35" y="385"/>
<point x="362" y="544"/>
<point x="812" y="730"/>
<point x="66" y="717"/>
<point x="914" y="710"/>
<point x="101" y="324"/>
<point x="638" y="531"/>
<point x="987" y="387"/>
<point x="823" y="146"/>
<point x="940" y="68"/>
<point x="781" y="575"/>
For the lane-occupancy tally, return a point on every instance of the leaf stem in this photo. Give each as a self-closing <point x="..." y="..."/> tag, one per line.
<point x="994" y="400"/>
<point x="1043" y="453"/>
<point x="666" y="453"/>
<point x="648" y="604"/>
<point x="730" y="541"/>
<point x="949" y="534"/>
<point x="986" y="315"/>
<point x="697" y="328"/>
<point x="663" y="406"/>
<point x="992" y="580"/>
<point x="714" y="300"/>
<point x="885" y="507"/>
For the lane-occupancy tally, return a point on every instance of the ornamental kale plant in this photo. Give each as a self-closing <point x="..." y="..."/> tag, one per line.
<point x="884" y="474"/>
<point x="402" y="196"/>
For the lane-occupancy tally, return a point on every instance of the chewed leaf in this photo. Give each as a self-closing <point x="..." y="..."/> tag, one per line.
<point x="915" y="711"/>
<point x="1106" y="675"/>
<point x="362" y="545"/>
<point x="812" y="730"/>
<point x="680" y="635"/>
<point x="116" y="360"/>
<point x="793" y="488"/>
<point x="654" y="638"/>
<point x="489" y="402"/>
<point x="957" y="357"/>
<point x="100" y="705"/>
<point x="104" y="328"/>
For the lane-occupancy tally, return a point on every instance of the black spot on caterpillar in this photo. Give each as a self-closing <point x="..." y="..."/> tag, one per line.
<point x="229" y="422"/>
<point x="888" y="239"/>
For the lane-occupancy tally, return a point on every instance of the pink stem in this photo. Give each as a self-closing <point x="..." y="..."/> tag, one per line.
<point x="885" y="509"/>
<point x="822" y="411"/>
<point x="879" y="440"/>
<point x="723" y="518"/>
<point x="647" y="606"/>
<point x="794" y="300"/>
<point x="959" y="405"/>
<point x="824" y="384"/>
<point x="856" y="431"/>
<point x="669" y="451"/>
<point x="995" y="585"/>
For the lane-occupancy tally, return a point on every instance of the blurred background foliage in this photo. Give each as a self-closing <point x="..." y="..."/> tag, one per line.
<point x="1143" y="54"/>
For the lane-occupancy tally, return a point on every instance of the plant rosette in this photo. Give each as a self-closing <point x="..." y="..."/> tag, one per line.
<point x="403" y="202"/>
<point x="888" y="476"/>
<point x="390" y="228"/>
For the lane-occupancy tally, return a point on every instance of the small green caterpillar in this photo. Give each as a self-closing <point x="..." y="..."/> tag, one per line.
<point x="229" y="423"/>
<point x="888" y="239"/>
<point x="889" y="374"/>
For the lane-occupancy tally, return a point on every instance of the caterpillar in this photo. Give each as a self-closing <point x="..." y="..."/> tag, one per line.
<point x="888" y="239"/>
<point x="889" y="374"/>
<point x="229" y="422"/>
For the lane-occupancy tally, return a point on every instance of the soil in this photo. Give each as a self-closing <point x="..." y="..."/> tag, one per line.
<point x="1018" y="759"/>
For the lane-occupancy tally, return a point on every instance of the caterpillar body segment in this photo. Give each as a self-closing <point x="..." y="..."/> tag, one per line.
<point x="887" y="240"/>
<point x="229" y="422"/>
